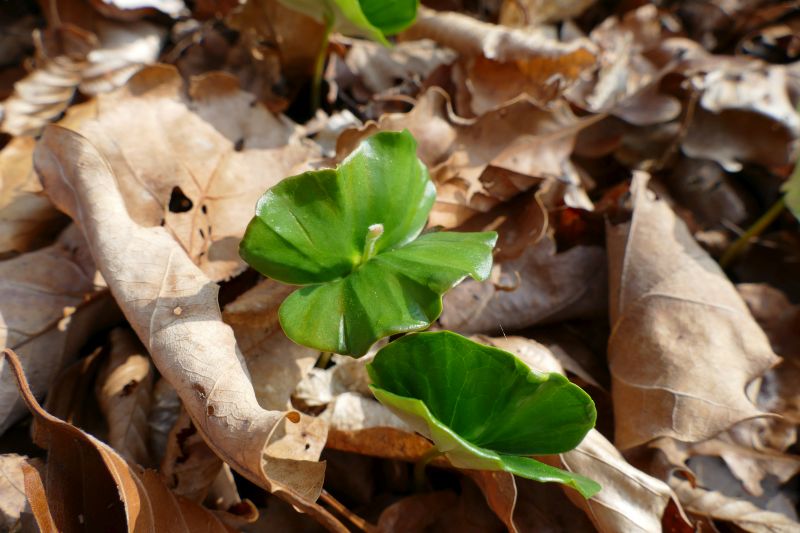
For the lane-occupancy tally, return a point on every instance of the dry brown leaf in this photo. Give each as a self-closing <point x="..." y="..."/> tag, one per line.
<point x="416" y="513"/>
<point x="27" y="217"/>
<point x="124" y="388"/>
<point x="532" y="12"/>
<point x="523" y="61"/>
<point x="195" y="164"/>
<point x="173" y="308"/>
<point x="69" y="57"/>
<point x="12" y="490"/>
<point x="538" y="287"/>
<point x="51" y="301"/>
<point x="85" y="485"/>
<point x="744" y="113"/>
<point x="624" y="81"/>
<point x="519" y="138"/>
<point x="189" y="465"/>
<point x="743" y="514"/>
<point x="276" y="364"/>
<point x="683" y="346"/>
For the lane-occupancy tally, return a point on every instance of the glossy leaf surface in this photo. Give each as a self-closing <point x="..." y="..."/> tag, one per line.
<point x="483" y="407"/>
<point x="374" y="19"/>
<point x="312" y="229"/>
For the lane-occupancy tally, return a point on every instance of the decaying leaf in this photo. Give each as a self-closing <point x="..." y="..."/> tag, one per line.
<point x="164" y="412"/>
<point x="531" y="12"/>
<point x="276" y="364"/>
<point x="683" y="346"/>
<point x="69" y="57"/>
<point x="134" y="9"/>
<point x="27" y="217"/>
<point x="124" y="388"/>
<point x="51" y="301"/>
<point x="194" y="163"/>
<point x="86" y="485"/>
<point x="173" y="308"/>
<point x="743" y="514"/>
<point x="539" y="286"/>
<point x="12" y="490"/>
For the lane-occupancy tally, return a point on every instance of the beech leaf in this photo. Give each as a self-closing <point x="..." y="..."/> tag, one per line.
<point x="360" y="18"/>
<point x="351" y="235"/>
<point x="458" y="402"/>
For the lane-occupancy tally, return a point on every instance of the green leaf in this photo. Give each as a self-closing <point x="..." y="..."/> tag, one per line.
<point x="313" y="230"/>
<point x="374" y="19"/>
<point x="483" y="407"/>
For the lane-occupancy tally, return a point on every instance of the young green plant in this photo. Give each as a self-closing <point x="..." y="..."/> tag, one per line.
<point x="373" y="19"/>
<point x="352" y="238"/>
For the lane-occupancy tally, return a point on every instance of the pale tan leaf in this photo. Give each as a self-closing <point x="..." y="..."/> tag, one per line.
<point x="683" y="346"/>
<point x="12" y="490"/>
<point x="124" y="388"/>
<point x="276" y="364"/>
<point x="27" y="217"/>
<point x="51" y="301"/>
<point x="739" y="512"/>
<point x="85" y="485"/>
<point x="173" y="308"/>
<point x="194" y="163"/>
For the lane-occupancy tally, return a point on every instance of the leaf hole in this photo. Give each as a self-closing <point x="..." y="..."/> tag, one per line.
<point x="210" y="410"/>
<point x="238" y="145"/>
<point x="178" y="201"/>
<point x="204" y="209"/>
<point x="201" y="392"/>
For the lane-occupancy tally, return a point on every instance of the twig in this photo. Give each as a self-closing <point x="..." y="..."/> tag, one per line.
<point x="354" y="519"/>
<point x="753" y="231"/>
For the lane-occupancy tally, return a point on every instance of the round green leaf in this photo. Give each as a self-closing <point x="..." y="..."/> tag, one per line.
<point x="374" y="19"/>
<point x="313" y="229"/>
<point x="482" y="406"/>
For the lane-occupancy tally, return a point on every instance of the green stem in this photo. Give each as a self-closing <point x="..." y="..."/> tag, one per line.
<point x="753" y="231"/>
<point x="324" y="360"/>
<point x="420" y="481"/>
<point x="319" y="66"/>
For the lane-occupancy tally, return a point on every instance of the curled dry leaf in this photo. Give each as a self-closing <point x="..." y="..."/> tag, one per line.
<point x="539" y="286"/>
<point x="27" y="217"/>
<point x="623" y="82"/>
<point x="732" y="124"/>
<point x="683" y="346"/>
<point x="124" y="389"/>
<point x="173" y="308"/>
<point x="69" y="57"/>
<point x="276" y="364"/>
<point x="189" y="465"/>
<point x="524" y="60"/>
<point x="12" y="490"/>
<point x="86" y="485"/>
<point x="742" y="513"/>
<point x="520" y="138"/>
<point x="51" y="301"/>
<point x="195" y="163"/>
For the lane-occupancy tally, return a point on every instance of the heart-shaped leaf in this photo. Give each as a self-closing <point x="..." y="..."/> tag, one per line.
<point x="374" y="19"/>
<point x="352" y="235"/>
<point x="483" y="407"/>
